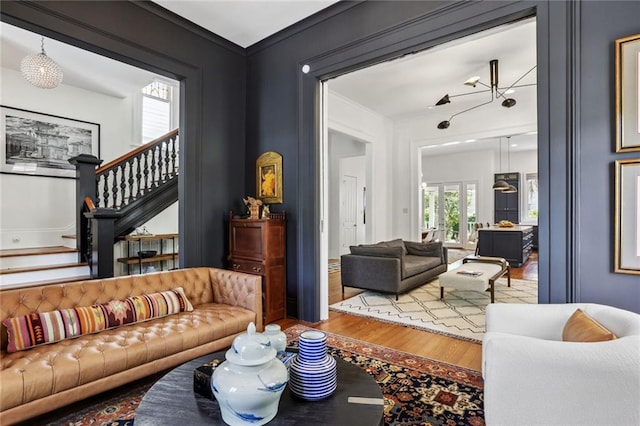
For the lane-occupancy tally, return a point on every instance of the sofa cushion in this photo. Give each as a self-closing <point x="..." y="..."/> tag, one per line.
<point x="396" y="243"/>
<point x="414" y="265"/>
<point x="42" y="328"/>
<point x="375" y="250"/>
<point x="434" y="249"/>
<point x="582" y="328"/>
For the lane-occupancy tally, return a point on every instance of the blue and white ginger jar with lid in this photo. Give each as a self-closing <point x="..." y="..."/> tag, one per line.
<point x="249" y="384"/>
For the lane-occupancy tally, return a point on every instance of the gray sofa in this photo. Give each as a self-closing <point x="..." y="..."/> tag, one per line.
<point x="394" y="266"/>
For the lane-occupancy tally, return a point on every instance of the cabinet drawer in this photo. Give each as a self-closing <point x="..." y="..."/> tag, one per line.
<point x="247" y="266"/>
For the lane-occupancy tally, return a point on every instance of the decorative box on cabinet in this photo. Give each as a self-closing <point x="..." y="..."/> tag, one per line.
<point x="507" y="205"/>
<point x="513" y="244"/>
<point x="258" y="246"/>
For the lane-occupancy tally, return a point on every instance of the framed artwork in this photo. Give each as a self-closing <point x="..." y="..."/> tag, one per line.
<point x="269" y="178"/>
<point x="40" y="144"/>
<point x="627" y="220"/>
<point x="628" y="94"/>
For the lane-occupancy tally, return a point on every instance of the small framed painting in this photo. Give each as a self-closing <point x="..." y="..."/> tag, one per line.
<point x="40" y="144"/>
<point x="628" y="94"/>
<point x="269" y="178"/>
<point x="627" y="220"/>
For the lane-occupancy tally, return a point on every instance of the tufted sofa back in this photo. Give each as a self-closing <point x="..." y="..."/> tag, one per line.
<point x="196" y="282"/>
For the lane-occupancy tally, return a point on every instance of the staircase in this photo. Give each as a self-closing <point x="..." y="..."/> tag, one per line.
<point x="111" y="202"/>
<point x="37" y="266"/>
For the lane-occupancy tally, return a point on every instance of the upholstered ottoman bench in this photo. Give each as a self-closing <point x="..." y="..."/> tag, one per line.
<point x="477" y="273"/>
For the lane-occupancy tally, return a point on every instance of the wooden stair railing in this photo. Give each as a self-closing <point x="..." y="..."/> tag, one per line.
<point x="137" y="172"/>
<point x="120" y="187"/>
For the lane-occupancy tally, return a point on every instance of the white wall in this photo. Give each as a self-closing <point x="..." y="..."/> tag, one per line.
<point x="376" y="131"/>
<point x="475" y="166"/>
<point x="341" y="147"/>
<point x="478" y="166"/>
<point x="37" y="211"/>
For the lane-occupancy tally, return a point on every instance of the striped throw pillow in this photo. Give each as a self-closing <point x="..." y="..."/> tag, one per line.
<point x="42" y="328"/>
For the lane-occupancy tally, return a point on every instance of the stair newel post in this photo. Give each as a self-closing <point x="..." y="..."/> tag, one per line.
<point x="102" y="221"/>
<point x="85" y="187"/>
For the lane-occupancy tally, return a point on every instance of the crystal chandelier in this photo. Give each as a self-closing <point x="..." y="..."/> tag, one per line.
<point x="40" y="70"/>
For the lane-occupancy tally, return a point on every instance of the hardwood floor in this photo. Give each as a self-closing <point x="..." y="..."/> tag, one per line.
<point x="419" y="342"/>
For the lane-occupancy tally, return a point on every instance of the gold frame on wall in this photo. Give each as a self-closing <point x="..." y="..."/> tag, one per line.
<point x="628" y="94"/>
<point x="627" y="216"/>
<point x="269" y="178"/>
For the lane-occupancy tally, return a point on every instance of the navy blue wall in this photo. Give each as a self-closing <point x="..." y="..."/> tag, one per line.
<point x="575" y="69"/>
<point x="575" y="119"/>
<point x="601" y="24"/>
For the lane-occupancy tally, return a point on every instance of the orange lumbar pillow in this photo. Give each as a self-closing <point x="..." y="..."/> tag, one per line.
<point x="582" y="328"/>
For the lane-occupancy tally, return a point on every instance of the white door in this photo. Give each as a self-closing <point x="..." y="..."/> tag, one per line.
<point x="348" y="212"/>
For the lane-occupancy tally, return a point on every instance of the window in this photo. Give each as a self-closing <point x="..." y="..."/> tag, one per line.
<point x="531" y="195"/>
<point x="157" y="110"/>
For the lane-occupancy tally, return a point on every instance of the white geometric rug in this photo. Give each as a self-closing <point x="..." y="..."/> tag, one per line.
<point x="461" y="314"/>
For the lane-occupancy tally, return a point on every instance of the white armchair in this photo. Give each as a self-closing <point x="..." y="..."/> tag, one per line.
<point x="532" y="377"/>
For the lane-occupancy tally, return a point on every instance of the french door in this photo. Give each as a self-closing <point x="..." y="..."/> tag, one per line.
<point x="450" y="208"/>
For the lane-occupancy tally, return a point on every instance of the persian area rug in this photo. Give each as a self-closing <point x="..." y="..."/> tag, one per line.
<point x="461" y="314"/>
<point x="417" y="390"/>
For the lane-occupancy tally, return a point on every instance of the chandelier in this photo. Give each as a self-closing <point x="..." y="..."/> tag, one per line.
<point x="496" y="92"/>
<point x="40" y="70"/>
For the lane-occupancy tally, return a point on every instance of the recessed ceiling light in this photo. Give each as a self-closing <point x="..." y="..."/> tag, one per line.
<point x="514" y="144"/>
<point x="470" y="140"/>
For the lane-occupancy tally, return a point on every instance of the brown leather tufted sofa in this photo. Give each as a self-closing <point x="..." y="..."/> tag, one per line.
<point x="43" y="378"/>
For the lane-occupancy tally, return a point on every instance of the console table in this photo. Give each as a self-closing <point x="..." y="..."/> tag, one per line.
<point x="513" y="244"/>
<point x="171" y="401"/>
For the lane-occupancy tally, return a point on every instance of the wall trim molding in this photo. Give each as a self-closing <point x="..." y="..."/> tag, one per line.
<point x="573" y="147"/>
<point x="196" y="29"/>
<point x="436" y="27"/>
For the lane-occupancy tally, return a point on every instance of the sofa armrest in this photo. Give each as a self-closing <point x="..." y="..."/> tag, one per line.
<point x="238" y="289"/>
<point x="431" y="249"/>
<point x="379" y="273"/>
<point x="535" y="381"/>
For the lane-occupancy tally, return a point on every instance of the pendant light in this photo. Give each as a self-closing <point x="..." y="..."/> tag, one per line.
<point x="40" y="70"/>
<point x="510" y="188"/>
<point x="500" y="184"/>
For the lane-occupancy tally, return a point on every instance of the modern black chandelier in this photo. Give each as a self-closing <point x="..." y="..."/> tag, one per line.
<point x="496" y="92"/>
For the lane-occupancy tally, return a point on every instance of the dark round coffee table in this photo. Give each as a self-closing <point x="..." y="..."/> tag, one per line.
<point x="172" y="401"/>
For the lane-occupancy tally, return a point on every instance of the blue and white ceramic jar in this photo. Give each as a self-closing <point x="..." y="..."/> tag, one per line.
<point x="276" y="336"/>
<point x="248" y="385"/>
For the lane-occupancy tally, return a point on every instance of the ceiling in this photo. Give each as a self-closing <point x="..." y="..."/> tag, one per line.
<point x="403" y="89"/>
<point x="406" y="89"/>
<point x="245" y="22"/>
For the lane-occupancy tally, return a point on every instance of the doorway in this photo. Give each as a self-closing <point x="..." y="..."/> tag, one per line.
<point x="463" y="198"/>
<point x="450" y="208"/>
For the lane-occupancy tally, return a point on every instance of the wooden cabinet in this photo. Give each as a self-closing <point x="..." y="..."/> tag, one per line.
<point x="258" y="246"/>
<point x="166" y="256"/>
<point x="513" y="244"/>
<point x="507" y="205"/>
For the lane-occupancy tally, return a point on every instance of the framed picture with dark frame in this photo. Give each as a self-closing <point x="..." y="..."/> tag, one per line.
<point x="269" y="178"/>
<point x="627" y="216"/>
<point x="628" y="94"/>
<point x="39" y="144"/>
